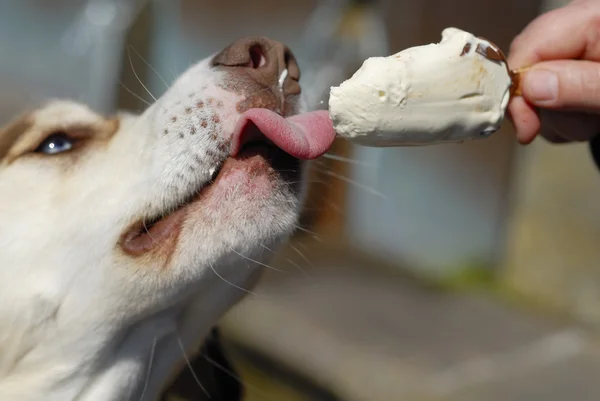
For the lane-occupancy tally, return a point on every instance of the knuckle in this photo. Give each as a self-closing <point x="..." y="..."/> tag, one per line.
<point x="593" y="22"/>
<point x="519" y="51"/>
<point x="592" y="30"/>
<point x="588" y="7"/>
<point x="578" y="84"/>
<point x="587" y="82"/>
<point x="594" y="79"/>
<point x="527" y="44"/>
<point x="516" y="44"/>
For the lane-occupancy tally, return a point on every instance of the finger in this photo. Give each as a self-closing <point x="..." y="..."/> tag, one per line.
<point x="525" y="120"/>
<point x="570" y="32"/>
<point x="563" y="84"/>
<point x="561" y="127"/>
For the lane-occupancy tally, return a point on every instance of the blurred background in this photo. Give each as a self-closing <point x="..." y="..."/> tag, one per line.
<point x="454" y="272"/>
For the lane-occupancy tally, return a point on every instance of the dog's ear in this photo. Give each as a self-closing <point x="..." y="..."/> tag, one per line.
<point x="212" y="368"/>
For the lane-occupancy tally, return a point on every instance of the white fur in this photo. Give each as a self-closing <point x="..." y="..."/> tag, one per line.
<point x="81" y="320"/>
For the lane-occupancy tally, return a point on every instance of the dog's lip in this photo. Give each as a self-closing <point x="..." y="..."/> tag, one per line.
<point x="150" y="232"/>
<point x="144" y="236"/>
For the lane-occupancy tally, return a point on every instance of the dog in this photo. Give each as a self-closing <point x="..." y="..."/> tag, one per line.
<point x="125" y="238"/>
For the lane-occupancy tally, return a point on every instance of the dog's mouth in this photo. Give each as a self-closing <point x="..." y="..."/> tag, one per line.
<point x="281" y="142"/>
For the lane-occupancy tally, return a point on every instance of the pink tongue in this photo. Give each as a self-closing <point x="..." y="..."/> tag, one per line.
<point x="305" y="136"/>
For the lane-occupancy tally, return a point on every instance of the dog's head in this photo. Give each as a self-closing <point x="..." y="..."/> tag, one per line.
<point x="124" y="239"/>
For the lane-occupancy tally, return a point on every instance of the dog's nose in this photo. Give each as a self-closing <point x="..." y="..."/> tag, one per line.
<point x="268" y="62"/>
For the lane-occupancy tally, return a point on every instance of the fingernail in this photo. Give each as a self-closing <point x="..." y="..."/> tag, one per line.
<point x="541" y="85"/>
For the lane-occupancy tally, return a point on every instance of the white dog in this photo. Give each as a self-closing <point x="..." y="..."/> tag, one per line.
<point x="123" y="240"/>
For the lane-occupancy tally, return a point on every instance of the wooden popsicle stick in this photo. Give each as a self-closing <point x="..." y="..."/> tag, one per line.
<point x="516" y="79"/>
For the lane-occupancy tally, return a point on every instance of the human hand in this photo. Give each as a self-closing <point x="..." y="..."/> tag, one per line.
<point x="561" y="92"/>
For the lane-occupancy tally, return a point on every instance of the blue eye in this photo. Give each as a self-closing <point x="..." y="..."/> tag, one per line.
<point x="55" y="143"/>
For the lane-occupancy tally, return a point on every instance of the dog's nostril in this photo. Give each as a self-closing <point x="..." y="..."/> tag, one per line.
<point x="257" y="57"/>
<point x="291" y="65"/>
<point x="270" y="63"/>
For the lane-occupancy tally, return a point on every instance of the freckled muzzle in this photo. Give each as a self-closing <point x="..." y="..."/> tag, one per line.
<point x="263" y="74"/>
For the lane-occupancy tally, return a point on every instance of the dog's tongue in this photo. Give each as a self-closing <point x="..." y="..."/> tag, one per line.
<point x="305" y="136"/>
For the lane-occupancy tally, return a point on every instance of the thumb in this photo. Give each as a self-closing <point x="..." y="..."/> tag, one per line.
<point x="563" y="84"/>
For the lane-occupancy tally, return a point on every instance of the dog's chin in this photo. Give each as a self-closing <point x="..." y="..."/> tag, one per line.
<point x="260" y="166"/>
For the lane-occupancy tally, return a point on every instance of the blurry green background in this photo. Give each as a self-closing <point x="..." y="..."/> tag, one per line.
<point x="454" y="272"/>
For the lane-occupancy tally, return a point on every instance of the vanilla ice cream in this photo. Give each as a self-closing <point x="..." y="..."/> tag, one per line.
<point x="451" y="91"/>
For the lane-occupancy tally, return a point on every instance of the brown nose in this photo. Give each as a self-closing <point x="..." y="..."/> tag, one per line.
<point x="270" y="63"/>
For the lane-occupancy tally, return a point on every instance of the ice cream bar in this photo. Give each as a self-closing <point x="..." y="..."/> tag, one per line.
<point x="451" y="91"/>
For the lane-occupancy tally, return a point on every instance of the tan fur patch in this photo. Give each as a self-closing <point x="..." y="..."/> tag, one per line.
<point x="11" y="133"/>
<point x="26" y="133"/>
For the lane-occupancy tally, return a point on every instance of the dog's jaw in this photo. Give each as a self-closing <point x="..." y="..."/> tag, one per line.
<point x="100" y="323"/>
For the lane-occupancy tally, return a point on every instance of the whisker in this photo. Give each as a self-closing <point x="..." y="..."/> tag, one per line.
<point x="347" y="160"/>
<point x="138" y="97"/>
<point x="149" y="66"/>
<point x="297" y="266"/>
<point x="302" y="245"/>
<point x="312" y="233"/>
<point x="189" y="364"/>
<point x="315" y="181"/>
<point x="300" y="182"/>
<point x="137" y="77"/>
<point x="146" y="229"/>
<point x="332" y="205"/>
<point x="303" y="256"/>
<point x="267" y="248"/>
<point x="355" y="183"/>
<point x="256" y="261"/>
<point x="173" y="73"/>
<point x="285" y="171"/>
<point x="150" y="362"/>
<point x="230" y="283"/>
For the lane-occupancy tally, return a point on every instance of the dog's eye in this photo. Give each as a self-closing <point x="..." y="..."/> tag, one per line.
<point x="56" y="143"/>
